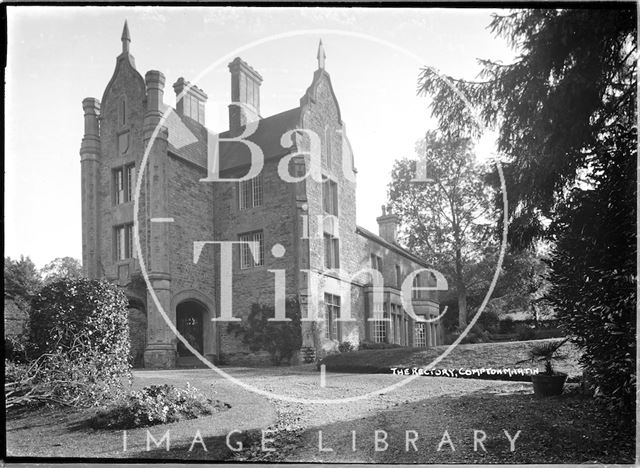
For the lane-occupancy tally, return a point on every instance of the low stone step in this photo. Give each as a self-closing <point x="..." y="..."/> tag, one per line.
<point x="189" y="362"/>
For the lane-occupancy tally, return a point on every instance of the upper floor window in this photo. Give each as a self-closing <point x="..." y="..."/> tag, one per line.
<point x="251" y="255"/>
<point x="376" y="262"/>
<point x="417" y="283"/>
<point x="332" y="312"/>
<point x="331" y="251"/>
<point x="330" y="197"/>
<point x="250" y="192"/>
<point x="124" y="179"/>
<point x="123" y="242"/>
<point x="398" y="276"/>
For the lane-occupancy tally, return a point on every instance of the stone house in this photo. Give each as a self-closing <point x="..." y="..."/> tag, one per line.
<point x="304" y="233"/>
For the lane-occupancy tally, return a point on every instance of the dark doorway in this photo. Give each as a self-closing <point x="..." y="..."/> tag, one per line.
<point x="137" y="334"/>
<point x="189" y="318"/>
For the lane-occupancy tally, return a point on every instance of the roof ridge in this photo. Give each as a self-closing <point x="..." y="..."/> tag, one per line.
<point x="392" y="245"/>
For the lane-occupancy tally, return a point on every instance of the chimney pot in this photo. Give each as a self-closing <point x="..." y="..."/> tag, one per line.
<point x="245" y="94"/>
<point x="190" y="100"/>
<point x="91" y="107"/>
<point x="388" y="225"/>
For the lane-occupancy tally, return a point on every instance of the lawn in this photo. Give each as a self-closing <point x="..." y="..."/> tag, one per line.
<point x="469" y="356"/>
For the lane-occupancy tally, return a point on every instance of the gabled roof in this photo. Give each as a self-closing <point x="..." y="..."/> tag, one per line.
<point x="391" y="246"/>
<point x="188" y="139"/>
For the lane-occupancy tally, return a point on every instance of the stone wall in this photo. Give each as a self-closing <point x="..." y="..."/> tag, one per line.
<point x="191" y="205"/>
<point x="276" y="218"/>
<point x="121" y="144"/>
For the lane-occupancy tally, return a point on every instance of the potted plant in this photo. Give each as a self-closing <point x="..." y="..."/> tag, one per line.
<point x="550" y="382"/>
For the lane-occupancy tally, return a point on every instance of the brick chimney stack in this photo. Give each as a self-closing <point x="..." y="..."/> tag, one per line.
<point x="245" y="93"/>
<point x="388" y="225"/>
<point x="191" y="103"/>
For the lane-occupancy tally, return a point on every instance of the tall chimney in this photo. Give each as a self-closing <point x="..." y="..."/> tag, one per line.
<point x="191" y="103"/>
<point x="245" y="94"/>
<point x="154" y="80"/>
<point x="388" y="225"/>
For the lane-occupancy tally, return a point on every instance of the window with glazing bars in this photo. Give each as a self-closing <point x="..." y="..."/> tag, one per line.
<point x="380" y="328"/>
<point x="124" y="179"/>
<point x="332" y="312"/>
<point x="331" y="251"/>
<point x="247" y="257"/>
<point x="417" y="282"/>
<point x="250" y="193"/>
<point x="376" y="262"/>
<point x="420" y="335"/>
<point x="330" y="197"/>
<point x="123" y="242"/>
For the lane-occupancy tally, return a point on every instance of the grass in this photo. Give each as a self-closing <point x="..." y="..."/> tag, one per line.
<point x="564" y="429"/>
<point x="470" y="356"/>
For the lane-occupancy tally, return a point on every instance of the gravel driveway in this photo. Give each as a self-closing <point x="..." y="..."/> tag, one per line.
<point x="405" y="425"/>
<point x="296" y="425"/>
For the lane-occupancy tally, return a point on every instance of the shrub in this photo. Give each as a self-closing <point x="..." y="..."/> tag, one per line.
<point x="371" y="345"/>
<point x="155" y="404"/>
<point x="78" y="376"/>
<point x="280" y="339"/>
<point x="68" y="308"/>
<point x="476" y="335"/>
<point x="545" y="333"/>
<point x="346" y="347"/>
<point x="506" y="325"/>
<point x="78" y="346"/>
<point x="525" y="333"/>
<point x="594" y="270"/>
<point x="15" y="348"/>
<point x="489" y="320"/>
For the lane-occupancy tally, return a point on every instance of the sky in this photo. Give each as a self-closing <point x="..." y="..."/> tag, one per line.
<point x="57" y="56"/>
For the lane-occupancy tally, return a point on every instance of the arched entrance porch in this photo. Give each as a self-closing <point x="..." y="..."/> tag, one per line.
<point x="193" y="311"/>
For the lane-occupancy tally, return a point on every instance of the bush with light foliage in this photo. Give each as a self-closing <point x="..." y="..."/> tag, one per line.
<point x="78" y="349"/>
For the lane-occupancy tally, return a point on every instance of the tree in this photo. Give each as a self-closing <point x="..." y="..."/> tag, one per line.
<point x="21" y="278"/>
<point x="566" y="116"/>
<point x="593" y="270"/>
<point x="61" y="267"/>
<point x="447" y="222"/>
<point x="574" y="78"/>
<point x="21" y="281"/>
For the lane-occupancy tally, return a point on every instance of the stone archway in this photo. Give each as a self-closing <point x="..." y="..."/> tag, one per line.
<point x="190" y="317"/>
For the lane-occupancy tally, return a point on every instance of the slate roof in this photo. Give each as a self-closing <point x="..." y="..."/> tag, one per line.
<point x="188" y="139"/>
<point x="391" y="246"/>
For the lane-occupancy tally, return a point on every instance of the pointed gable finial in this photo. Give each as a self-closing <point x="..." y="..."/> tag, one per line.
<point x="126" y="38"/>
<point x="321" y="55"/>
